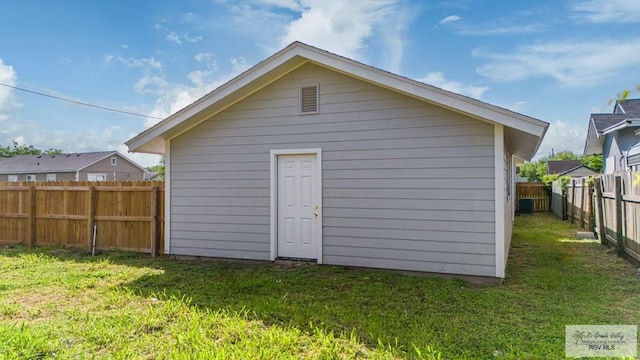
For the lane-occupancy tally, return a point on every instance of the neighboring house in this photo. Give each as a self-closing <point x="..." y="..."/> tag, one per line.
<point x="90" y="166"/>
<point x="616" y="137"/>
<point x="310" y="155"/>
<point x="572" y="168"/>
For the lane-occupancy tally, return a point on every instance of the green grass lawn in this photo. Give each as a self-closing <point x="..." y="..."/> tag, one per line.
<point x="58" y="303"/>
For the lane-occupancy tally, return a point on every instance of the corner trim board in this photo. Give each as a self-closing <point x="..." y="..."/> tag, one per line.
<point x="167" y="197"/>
<point x="498" y="144"/>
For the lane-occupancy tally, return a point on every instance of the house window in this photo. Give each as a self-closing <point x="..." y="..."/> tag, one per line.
<point x="51" y="177"/>
<point x="12" y="178"/>
<point x="309" y="99"/>
<point x="31" y="177"/>
<point x="114" y="161"/>
<point x="96" y="177"/>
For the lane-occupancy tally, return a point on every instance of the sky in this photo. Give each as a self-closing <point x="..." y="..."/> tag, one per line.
<point x="554" y="60"/>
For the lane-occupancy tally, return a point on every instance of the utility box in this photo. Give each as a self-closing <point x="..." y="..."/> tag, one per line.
<point x="525" y="206"/>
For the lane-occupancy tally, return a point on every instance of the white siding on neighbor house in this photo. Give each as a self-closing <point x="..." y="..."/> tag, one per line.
<point x="406" y="185"/>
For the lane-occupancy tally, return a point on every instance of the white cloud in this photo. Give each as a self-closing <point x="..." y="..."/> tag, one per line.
<point x="208" y="59"/>
<point x="570" y="63"/>
<point x="64" y="61"/>
<point x="173" y="37"/>
<point x="437" y="79"/>
<point x="563" y="135"/>
<point x="505" y="29"/>
<point x="8" y="101"/>
<point x="607" y="11"/>
<point x="239" y="64"/>
<point x="200" y="77"/>
<point x="146" y="63"/>
<point x="177" y="96"/>
<point x="150" y="84"/>
<point x="450" y="18"/>
<point x="192" y="39"/>
<point x="293" y="5"/>
<point x="336" y="25"/>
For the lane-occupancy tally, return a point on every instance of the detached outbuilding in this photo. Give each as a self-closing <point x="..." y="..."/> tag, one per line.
<point x="312" y="155"/>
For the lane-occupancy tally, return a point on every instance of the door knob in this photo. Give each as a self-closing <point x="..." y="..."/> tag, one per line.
<point x="315" y="214"/>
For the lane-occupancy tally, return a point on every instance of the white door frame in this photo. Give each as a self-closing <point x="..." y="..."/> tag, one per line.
<point x="317" y="185"/>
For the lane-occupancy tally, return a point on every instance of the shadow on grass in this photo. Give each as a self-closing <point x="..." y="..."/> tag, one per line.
<point x="550" y="283"/>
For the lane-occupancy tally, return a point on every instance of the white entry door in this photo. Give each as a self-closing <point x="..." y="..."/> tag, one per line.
<point x="298" y="213"/>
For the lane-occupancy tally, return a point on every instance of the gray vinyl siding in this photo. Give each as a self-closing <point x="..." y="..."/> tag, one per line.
<point x="123" y="170"/>
<point x="406" y="185"/>
<point x="616" y="144"/>
<point x="64" y="176"/>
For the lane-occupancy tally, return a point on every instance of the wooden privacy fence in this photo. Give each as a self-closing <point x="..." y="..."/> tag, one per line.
<point x="579" y="208"/>
<point x="534" y="191"/>
<point x="126" y="215"/>
<point x="617" y="201"/>
<point x="558" y="200"/>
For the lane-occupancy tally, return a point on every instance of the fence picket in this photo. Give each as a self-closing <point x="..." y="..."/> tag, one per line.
<point x="63" y="213"/>
<point x="615" y="207"/>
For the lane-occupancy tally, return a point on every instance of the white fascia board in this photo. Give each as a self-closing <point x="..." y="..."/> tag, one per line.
<point x="621" y="125"/>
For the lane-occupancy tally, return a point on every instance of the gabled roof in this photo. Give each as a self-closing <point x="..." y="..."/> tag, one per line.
<point x="629" y="107"/>
<point x="625" y="113"/>
<point x="524" y="133"/>
<point x="576" y="168"/>
<point x="561" y="166"/>
<point x="54" y="163"/>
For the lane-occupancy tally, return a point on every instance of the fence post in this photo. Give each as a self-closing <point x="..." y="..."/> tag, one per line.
<point x="91" y="211"/>
<point x="582" y="204"/>
<point x="602" y="229"/>
<point x="571" y="200"/>
<point x="592" y="218"/>
<point x="32" y="216"/>
<point x="154" y="221"/>
<point x="619" y="236"/>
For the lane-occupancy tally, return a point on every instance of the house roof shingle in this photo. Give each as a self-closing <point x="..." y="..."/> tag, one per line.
<point x="623" y="110"/>
<point x="561" y="166"/>
<point x="629" y="107"/>
<point x="51" y="163"/>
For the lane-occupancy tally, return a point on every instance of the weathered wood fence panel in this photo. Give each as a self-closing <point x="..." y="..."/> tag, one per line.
<point x="580" y="203"/>
<point x="536" y="192"/>
<point x="126" y="215"/>
<point x="558" y="200"/>
<point x="610" y="206"/>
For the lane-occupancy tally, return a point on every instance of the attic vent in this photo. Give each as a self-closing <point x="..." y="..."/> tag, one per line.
<point x="309" y="99"/>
